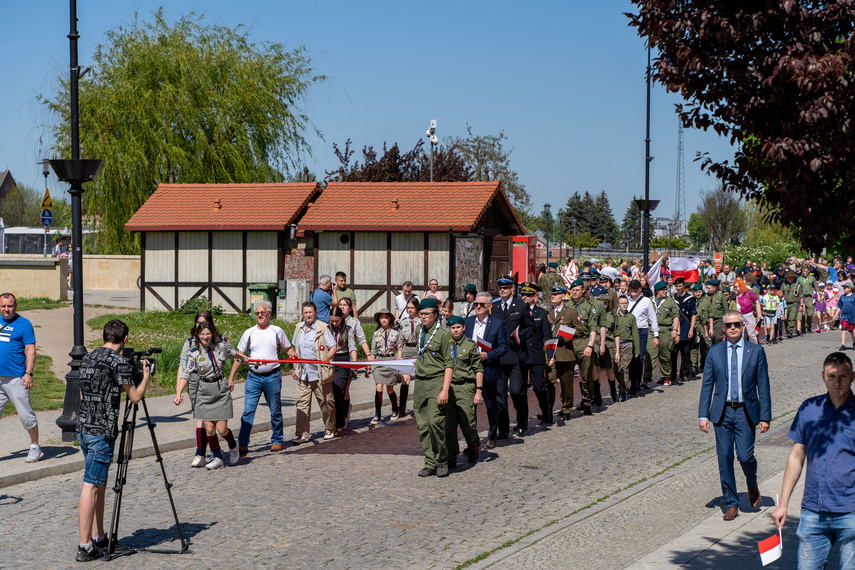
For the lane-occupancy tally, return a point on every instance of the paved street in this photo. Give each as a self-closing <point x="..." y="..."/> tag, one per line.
<point x="598" y="492"/>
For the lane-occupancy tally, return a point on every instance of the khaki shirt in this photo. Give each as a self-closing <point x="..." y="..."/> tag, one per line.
<point x="718" y="306"/>
<point x="807" y="285"/>
<point x="609" y="320"/>
<point x="467" y="361"/>
<point x="588" y="320"/>
<point x="626" y="328"/>
<point x="703" y="308"/>
<point x="435" y="352"/>
<point x="666" y="311"/>
<point x="568" y="317"/>
<point x="386" y="342"/>
<point x="791" y="292"/>
<point x="409" y="330"/>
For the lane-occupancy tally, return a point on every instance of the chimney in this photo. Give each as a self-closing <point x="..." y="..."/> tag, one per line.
<point x="394" y="204"/>
<point x="218" y="205"/>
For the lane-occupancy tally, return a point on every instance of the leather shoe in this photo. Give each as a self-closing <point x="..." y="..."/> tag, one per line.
<point x="519" y="431"/>
<point x="472" y="455"/>
<point x="732" y="513"/>
<point x="491" y="443"/>
<point x="452" y="463"/>
<point x="275" y="447"/>
<point x="587" y="410"/>
<point x="754" y="497"/>
<point x="242" y="451"/>
<point x="425" y="472"/>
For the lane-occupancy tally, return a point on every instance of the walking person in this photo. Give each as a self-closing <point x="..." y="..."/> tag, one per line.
<point x="847" y="315"/>
<point x="769" y="301"/>
<point x="668" y="318"/>
<point x="409" y="327"/>
<point x="533" y="370"/>
<point x="322" y="298"/>
<point x="386" y="344"/>
<point x="735" y="398"/>
<point x="344" y="340"/>
<point x="464" y="394"/>
<point x="562" y="362"/>
<point x="313" y="341"/>
<point x="821" y="434"/>
<point x="17" y="365"/>
<point x="212" y="400"/>
<point x="346" y="306"/>
<point x="627" y="344"/>
<point x="688" y="315"/>
<point x="749" y="307"/>
<point x="262" y="342"/>
<point x="404" y="298"/>
<point x="641" y="366"/>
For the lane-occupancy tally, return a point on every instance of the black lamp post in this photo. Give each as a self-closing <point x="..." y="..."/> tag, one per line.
<point x="75" y="171"/>
<point x="644" y="205"/>
<point x="548" y="208"/>
<point x="46" y="172"/>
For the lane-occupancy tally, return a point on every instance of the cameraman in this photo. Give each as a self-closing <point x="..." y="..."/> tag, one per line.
<point x="104" y="374"/>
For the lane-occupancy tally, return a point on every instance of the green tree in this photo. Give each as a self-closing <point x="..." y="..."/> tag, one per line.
<point x="722" y="215"/>
<point x="22" y="207"/>
<point x="698" y="232"/>
<point x="674" y="242"/>
<point x="604" y="224"/>
<point x="195" y="98"/>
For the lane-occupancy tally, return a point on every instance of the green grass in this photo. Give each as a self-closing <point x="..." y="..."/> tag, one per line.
<point x="48" y="391"/>
<point x="32" y="303"/>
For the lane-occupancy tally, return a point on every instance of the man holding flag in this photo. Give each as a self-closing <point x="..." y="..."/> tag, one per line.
<point x="822" y="434"/>
<point x="563" y="361"/>
<point x="585" y="333"/>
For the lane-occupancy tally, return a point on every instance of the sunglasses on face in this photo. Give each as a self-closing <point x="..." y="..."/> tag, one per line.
<point x="732" y="325"/>
<point x="261" y="314"/>
<point x="480" y="304"/>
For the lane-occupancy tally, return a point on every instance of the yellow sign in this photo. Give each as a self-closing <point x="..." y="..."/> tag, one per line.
<point x="47" y="203"/>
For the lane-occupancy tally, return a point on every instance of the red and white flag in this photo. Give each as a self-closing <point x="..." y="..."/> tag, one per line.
<point x="770" y="549"/>
<point x="551" y="344"/>
<point x="570" y="273"/>
<point x="516" y="335"/>
<point x="484" y="345"/>
<point x="685" y="267"/>
<point x="566" y="332"/>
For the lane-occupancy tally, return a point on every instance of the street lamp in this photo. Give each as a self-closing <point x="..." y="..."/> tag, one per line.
<point x="574" y="238"/>
<point x="74" y="171"/>
<point x="646" y="206"/>
<point x="547" y="207"/>
<point x="433" y="142"/>
<point x="46" y="172"/>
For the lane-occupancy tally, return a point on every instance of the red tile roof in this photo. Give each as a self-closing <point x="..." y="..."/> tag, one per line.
<point x="406" y="206"/>
<point x="198" y="207"/>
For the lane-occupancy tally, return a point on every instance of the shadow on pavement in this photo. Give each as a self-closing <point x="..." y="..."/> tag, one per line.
<point x="152" y="539"/>
<point x="9" y="500"/>
<point x="51" y="452"/>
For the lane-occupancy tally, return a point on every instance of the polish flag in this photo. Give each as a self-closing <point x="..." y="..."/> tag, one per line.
<point x="484" y="345"/>
<point x="551" y="344"/>
<point x="570" y="273"/>
<point x="566" y="332"/>
<point x="770" y="549"/>
<point x="685" y="267"/>
<point x="516" y="335"/>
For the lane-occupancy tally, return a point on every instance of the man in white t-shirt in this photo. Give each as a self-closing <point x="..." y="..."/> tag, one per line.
<point x="610" y="271"/>
<point x="402" y="300"/>
<point x="262" y="342"/>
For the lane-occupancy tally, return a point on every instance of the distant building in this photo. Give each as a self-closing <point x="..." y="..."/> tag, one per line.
<point x="7" y="183"/>
<point x="664" y="227"/>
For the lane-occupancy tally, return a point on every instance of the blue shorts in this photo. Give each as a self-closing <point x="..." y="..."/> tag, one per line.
<point x="98" y="453"/>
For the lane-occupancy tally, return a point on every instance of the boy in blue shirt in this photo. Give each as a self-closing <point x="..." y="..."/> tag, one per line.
<point x="846" y="304"/>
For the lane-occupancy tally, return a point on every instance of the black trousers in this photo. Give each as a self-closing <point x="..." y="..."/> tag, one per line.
<point x="536" y="376"/>
<point x="339" y="389"/>
<point x="684" y="349"/>
<point x="512" y="379"/>
<point x="636" y="365"/>
<point x="490" y="396"/>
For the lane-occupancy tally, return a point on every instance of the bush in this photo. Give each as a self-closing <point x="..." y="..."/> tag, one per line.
<point x="200" y="303"/>
<point x="772" y="255"/>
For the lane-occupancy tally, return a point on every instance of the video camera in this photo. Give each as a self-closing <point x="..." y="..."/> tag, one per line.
<point x="136" y="357"/>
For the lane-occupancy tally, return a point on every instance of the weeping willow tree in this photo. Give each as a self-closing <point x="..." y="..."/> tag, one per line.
<point x="192" y="99"/>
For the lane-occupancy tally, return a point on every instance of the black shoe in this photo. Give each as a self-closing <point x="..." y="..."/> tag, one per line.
<point x="425" y="472"/>
<point x="116" y="551"/>
<point x="442" y="470"/>
<point x="842" y="347"/>
<point x="561" y="416"/>
<point x="789" y="335"/>
<point x="452" y="463"/>
<point x="587" y="410"/>
<point x="519" y="431"/>
<point x="580" y="407"/>
<point x="503" y="436"/>
<point x="472" y="455"/>
<point x="84" y="555"/>
<point x="546" y="422"/>
<point x="614" y="396"/>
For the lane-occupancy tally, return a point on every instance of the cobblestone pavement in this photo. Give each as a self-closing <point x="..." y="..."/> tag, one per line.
<point x="356" y="502"/>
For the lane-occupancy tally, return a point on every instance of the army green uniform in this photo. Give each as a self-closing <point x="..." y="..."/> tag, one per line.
<point x="588" y="320"/>
<point x="807" y="286"/>
<point x="565" y="359"/>
<point x="434" y="357"/>
<point x="460" y="409"/>
<point x="626" y="329"/>
<point x="546" y="282"/>
<point x="607" y="359"/>
<point x="666" y="311"/>
<point x="700" y="345"/>
<point x="792" y="298"/>
<point x="717" y="308"/>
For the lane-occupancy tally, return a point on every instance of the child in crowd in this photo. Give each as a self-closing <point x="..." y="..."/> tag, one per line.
<point x="386" y="344"/>
<point x="769" y="301"/>
<point x="447" y="312"/>
<point x="831" y="305"/>
<point x="820" y="298"/>
<point x="847" y="314"/>
<point x="781" y="315"/>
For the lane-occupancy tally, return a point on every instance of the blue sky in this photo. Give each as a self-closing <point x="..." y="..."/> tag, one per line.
<point x="564" y="80"/>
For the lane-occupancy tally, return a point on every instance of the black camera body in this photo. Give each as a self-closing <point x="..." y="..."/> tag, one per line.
<point x="135" y="358"/>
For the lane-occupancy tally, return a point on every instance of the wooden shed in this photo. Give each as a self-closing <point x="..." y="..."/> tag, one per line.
<point x="215" y="240"/>
<point x="382" y="234"/>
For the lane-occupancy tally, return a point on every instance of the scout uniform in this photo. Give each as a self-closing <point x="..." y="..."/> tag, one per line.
<point x="607" y="359"/>
<point x="385" y="345"/>
<point x="806" y="287"/>
<point x="701" y="345"/>
<point x="792" y="298"/>
<point x="601" y="323"/>
<point x="434" y="357"/>
<point x="717" y="308"/>
<point x="212" y="399"/>
<point x="625" y="332"/>
<point x="666" y="312"/>
<point x="565" y="357"/>
<point x="587" y="319"/>
<point x="460" y="409"/>
<point x="410" y="337"/>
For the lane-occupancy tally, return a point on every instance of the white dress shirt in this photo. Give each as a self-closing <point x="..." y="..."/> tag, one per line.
<point x="645" y="314"/>
<point x="479" y="330"/>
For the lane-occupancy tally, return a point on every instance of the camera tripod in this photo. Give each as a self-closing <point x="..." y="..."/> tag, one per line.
<point x="126" y="445"/>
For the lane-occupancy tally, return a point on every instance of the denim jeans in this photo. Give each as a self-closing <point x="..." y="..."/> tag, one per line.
<point x="819" y="531"/>
<point x="271" y="386"/>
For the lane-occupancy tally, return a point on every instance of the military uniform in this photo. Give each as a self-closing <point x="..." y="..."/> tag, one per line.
<point x="533" y="369"/>
<point x="460" y="409"/>
<point x="587" y="320"/>
<point x="806" y="287"/>
<point x="565" y="358"/>
<point x="597" y="357"/>
<point x="718" y="306"/>
<point x="792" y="298"/>
<point x="701" y="345"/>
<point x="517" y="320"/>
<point x="434" y="357"/>
<point x="666" y="312"/>
<point x="625" y="329"/>
<point x="548" y="280"/>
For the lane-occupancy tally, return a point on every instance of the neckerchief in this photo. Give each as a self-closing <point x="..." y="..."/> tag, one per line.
<point x="422" y="344"/>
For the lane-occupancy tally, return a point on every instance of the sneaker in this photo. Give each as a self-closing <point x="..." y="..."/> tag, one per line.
<point x="34" y="455"/>
<point x="198" y="461"/>
<point x="234" y="456"/>
<point x="425" y="472"/>
<point x="395" y="416"/>
<point x="376" y="419"/>
<point x="215" y="463"/>
<point x="842" y="347"/>
<point x="623" y="397"/>
<point x="117" y="550"/>
<point x="84" y="555"/>
<point x="666" y="382"/>
<point x="442" y="470"/>
<point x="329" y="435"/>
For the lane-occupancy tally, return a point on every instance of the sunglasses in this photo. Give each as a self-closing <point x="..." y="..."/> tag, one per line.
<point x="732" y="325"/>
<point x="264" y="313"/>
<point x="480" y="304"/>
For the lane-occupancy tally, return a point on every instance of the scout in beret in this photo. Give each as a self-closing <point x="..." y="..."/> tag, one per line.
<point x="464" y="393"/>
<point x="660" y="285"/>
<point x="387" y="343"/>
<point x="553" y="264"/>
<point x="428" y="304"/>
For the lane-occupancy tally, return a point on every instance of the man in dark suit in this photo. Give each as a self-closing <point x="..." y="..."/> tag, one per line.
<point x="488" y="332"/>
<point x="536" y="357"/>
<point x="735" y="398"/>
<point x="520" y="327"/>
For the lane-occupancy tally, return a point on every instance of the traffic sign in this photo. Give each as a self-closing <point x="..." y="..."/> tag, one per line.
<point x="47" y="203"/>
<point x="47" y="217"/>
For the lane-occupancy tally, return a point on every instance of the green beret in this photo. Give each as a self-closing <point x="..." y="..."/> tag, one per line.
<point x="470" y="287"/>
<point x="553" y="264"/>
<point x="577" y="283"/>
<point x="712" y="282"/>
<point x="659" y="285"/>
<point x="455" y="320"/>
<point x="429" y="304"/>
<point x="697" y="287"/>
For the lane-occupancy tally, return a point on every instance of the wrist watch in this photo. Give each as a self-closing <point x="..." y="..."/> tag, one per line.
<point x="479" y="387"/>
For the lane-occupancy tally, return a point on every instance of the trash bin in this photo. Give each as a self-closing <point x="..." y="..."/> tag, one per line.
<point x="262" y="292"/>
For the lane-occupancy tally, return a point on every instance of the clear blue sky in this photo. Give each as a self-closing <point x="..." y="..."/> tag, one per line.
<point x="564" y="80"/>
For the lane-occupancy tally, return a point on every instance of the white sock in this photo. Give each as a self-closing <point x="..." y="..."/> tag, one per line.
<point x="99" y="539"/>
<point x="87" y="547"/>
<point x="34" y="445"/>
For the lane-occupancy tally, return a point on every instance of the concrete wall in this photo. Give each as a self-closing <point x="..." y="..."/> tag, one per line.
<point x="116" y="272"/>
<point x="34" y="276"/>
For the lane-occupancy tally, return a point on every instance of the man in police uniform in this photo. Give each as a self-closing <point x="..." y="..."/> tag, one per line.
<point x="807" y="286"/>
<point x="688" y="317"/>
<point x="714" y="330"/>
<point x="792" y="298"/>
<point x="519" y="327"/>
<point x="563" y="361"/>
<point x="586" y="325"/>
<point x="550" y="278"/>
<point x="434" y="371"/>
<point x="536" y="357"/>
<point x="464" y="394"/>
<point x="667" y="315"/>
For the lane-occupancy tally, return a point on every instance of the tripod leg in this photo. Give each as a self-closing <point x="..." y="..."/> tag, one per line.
<point x="126" y="445"/>
<point x="166" y="483"/>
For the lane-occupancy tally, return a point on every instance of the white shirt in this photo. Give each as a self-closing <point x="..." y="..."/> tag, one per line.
<point x="610" y="272"/>
<point x="401" y="305"/>
<point x="262" y="345"/>
<point x="645" y="314"/>
<point x="479" y="330"/>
